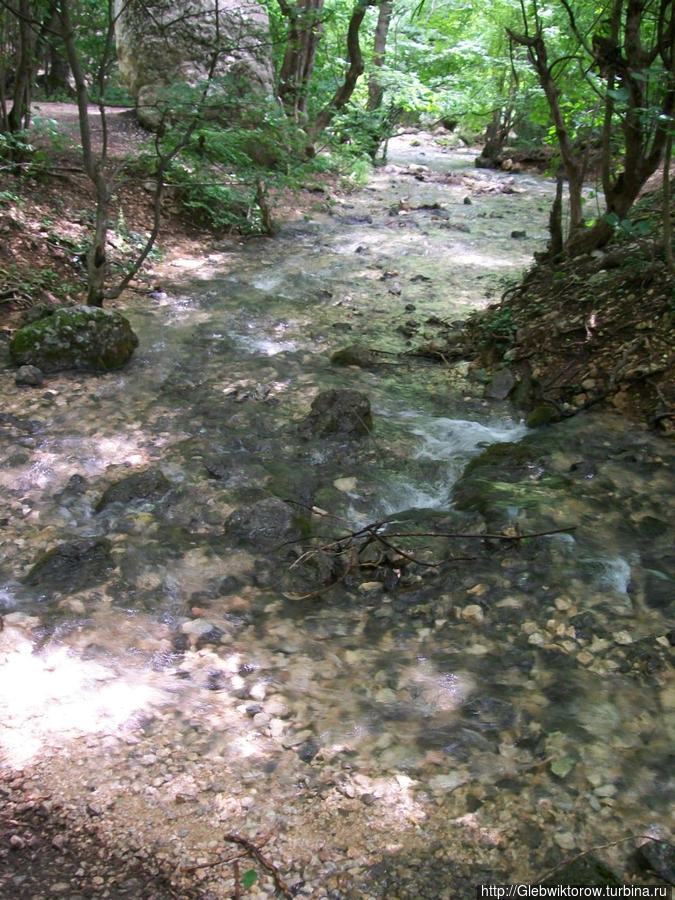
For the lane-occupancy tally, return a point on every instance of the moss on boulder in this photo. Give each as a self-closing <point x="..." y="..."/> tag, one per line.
<point x="75" y="337"/>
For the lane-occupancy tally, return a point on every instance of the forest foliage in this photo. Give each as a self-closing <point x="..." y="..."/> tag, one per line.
<point x="594" y="82"/>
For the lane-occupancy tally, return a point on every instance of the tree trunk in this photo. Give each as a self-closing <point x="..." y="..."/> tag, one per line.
<point x="355" y="70"/>
<point x="93" y="166"/>
<point x="496" y="134"/>
<point x="667" y="212"/>
<point x="574" y="169"/>
<point x="623" y="58"/>
<point x="375" y="88"/>
<point x="555" y="219"/>
<point x="304" y="34"/>
<point x="19" y="115"/>
<point x="97" y="261"/>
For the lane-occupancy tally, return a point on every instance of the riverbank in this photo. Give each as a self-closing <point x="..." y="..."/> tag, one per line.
<point x="593" y="332"/>
<point x="579" y="334"/>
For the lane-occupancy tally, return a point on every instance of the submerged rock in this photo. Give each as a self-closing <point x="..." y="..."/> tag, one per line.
<point x="342" y="414"/>
<point x="659" y="857"/>
<point x="356" y="355"/>
<point x="72" y="566"/>
<point x="266" y="522"/>
<point x="586" y="870"/>
<point x="150" y="484"/>
<point x="75" y="337"/>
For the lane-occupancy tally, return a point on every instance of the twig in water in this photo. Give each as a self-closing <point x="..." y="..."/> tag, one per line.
<point x="355" y="542"/>
<point x="235" y="872"/>
<point x="571" y="859"/>
<point x="216" y="862"/>
<point x="254" y="851"/>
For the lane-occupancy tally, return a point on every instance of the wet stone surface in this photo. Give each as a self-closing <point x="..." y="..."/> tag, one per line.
<point x="465" y="695"/>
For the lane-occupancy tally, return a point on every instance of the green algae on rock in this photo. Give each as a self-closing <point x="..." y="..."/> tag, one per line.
<point x="151" y="484"/>
<point x="72" y="566"/>
<point x="75" y="337"/>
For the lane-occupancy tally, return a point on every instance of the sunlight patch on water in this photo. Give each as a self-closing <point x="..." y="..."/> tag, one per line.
<point x="268" y="347"/>
<point x="55" y="695"/>
<point x="265" y="344"/>
<point x="485" y="261"/>
<point x="85" y="456"/>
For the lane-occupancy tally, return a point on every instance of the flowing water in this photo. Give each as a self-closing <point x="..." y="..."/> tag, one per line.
<point x="476" y="714"/>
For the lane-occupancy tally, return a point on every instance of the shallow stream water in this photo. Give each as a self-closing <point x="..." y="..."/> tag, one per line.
<point x="476" y="715"/>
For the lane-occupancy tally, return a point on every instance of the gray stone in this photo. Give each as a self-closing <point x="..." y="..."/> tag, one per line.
<point x="75" y="337"/>
<point x="659" y="857"/>
<point x="163" y="46"/>
<point x="29" y="376"/>
<point x="72" y="566"/>
<point x="342" y="414"/>
<point x="151" y="484"/>
<point x="501" y="385"/>
<point x="266" y="522"/>
<point x="357" y="355"/>
<point x="586" y="870"/>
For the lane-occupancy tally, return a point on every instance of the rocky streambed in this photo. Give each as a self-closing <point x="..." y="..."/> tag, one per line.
<point x="249" y="650"/>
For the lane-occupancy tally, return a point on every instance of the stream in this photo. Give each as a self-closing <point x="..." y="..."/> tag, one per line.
<point x="453" y="710"/>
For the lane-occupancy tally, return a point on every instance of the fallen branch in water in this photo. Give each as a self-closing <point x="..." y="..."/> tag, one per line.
<point x="354" y="543"/>
<point x="253" y="850"/>
<point x="570" y="859"/>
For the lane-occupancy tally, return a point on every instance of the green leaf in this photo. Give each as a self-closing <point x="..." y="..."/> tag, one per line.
<point x="249" y="878"/>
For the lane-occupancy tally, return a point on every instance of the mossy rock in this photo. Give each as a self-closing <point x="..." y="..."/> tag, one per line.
<point x="506" y="455"/>
<point x="338" y="413"/>
<point x="543" y="414"/>
<point x="150" y="484"/>
<point x="264" y="523"/>
<point x="75" y="337"/>
<point x="356" y="355"/>
<point x="72" y="566"/>
<point x="493" y="479"/>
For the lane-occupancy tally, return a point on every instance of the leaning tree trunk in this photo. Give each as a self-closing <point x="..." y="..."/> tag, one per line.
<point x="352" y="75"/>
<point x="667" y="211"/>
<point x="574" y="169"/>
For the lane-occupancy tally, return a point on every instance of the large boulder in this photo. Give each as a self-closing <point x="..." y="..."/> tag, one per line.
<point x="75" y="337"/>
<point x="163" y="45"/>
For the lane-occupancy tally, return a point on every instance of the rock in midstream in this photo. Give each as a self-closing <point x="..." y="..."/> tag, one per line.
<point x="338" y="413"/>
